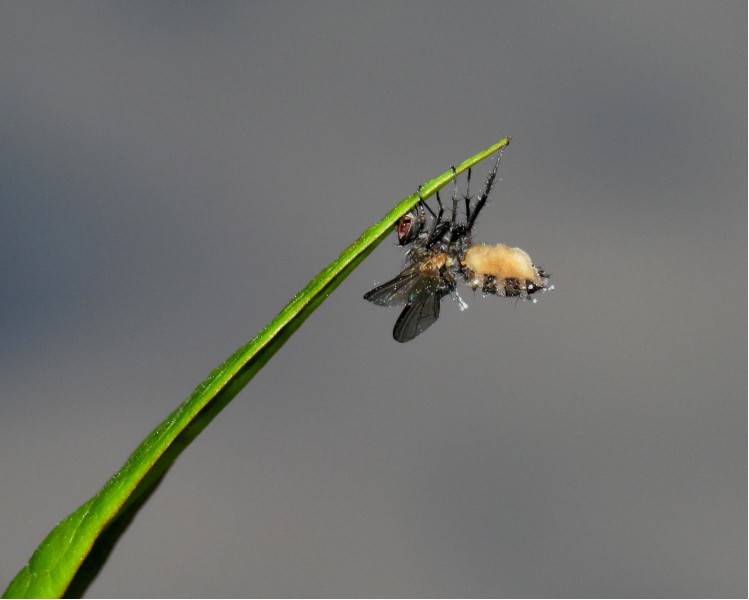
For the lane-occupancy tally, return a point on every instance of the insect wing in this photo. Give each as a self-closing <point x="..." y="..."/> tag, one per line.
<point x="400" y="290"/>
<point x="418" y="315"/>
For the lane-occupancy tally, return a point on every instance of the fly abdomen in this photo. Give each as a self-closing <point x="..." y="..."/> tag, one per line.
<point x="502" y="270"/>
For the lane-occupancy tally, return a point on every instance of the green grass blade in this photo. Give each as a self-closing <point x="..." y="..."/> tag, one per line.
<point x="72" y="553"/>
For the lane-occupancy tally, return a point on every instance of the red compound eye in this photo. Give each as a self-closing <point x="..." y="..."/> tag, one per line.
<point x="405" y="227"/>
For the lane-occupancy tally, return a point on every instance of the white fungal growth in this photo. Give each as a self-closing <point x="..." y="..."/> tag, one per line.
<point x="502" y="262"/>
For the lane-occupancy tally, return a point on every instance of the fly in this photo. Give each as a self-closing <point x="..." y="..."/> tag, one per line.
<point x="443" y="254"/>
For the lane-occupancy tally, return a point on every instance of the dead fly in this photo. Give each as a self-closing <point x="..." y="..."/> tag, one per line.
<point x="442" y="254"/>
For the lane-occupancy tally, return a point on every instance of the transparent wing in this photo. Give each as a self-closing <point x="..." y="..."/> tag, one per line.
<point x="418" y="316"/>
<point x="400" y="290"/>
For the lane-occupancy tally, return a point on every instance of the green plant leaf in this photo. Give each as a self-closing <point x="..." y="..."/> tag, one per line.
<point x="74" y="551"/>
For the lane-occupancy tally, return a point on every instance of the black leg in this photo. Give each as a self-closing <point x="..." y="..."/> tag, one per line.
<point x="442" y="208"/>
<point x="468" y="195"/>
<point x="484" y="195"/>
<point x="423" y="204"/>
<point x="455" y="194"/>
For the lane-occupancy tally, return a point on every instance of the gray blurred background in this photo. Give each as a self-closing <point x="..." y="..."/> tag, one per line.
<point x="173" y="173"/>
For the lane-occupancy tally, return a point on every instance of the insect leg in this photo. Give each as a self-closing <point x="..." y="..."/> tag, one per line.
<point x="468" y="194"/>
<point x="455" y="194"/>
<point x="433" y="234"/>
<point x="484" y="195"/>
<point x="435" y="231"/>
<point x="423" y="203"/>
